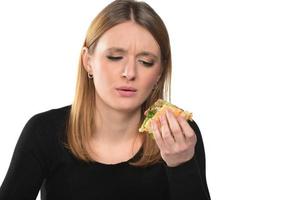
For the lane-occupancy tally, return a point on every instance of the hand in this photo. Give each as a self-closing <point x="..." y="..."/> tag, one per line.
<point x="175" y="138"/>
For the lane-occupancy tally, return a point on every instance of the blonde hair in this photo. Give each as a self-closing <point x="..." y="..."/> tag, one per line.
<point x="81" y="117"/>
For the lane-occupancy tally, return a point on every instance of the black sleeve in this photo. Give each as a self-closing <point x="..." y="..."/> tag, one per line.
<point x="188" y="180"/>
<point x="26" y="170"/>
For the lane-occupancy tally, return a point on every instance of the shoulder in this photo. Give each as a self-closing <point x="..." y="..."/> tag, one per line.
<point x="43" y="131"/>
<point x="41" y="136"/>
<point x="51" y="115"/>
<point x="45" y="126"/>
<point x="49" y="119"/>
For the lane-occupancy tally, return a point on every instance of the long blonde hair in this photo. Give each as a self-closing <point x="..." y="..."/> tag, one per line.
<point x="81" y="117"/>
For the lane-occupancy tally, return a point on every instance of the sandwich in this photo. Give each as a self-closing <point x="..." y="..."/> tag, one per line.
<point x="158" y="109"/>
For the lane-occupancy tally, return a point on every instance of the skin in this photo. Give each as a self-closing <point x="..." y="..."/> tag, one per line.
<point x="175" y="139"/>
<point x="120" y="60"/>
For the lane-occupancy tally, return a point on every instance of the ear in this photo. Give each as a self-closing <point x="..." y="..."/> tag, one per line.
<point x="85" y="56"/>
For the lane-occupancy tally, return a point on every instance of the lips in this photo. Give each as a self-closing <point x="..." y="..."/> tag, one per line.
<point x="125" y="88"/>
<point x="125" y="91"/>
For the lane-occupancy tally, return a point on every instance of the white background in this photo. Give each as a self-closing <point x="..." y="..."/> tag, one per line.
<point x="236" y="67"/>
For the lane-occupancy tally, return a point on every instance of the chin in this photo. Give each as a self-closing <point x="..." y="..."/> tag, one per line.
<point x="126" y="104"/>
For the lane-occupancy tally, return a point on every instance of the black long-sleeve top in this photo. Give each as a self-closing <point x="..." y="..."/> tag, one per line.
<point x="41" y="162"/>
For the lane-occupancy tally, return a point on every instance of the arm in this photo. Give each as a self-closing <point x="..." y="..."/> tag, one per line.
<point x="188" y="180"/>
<point x="181" y="147"/>
<point x="26" y="170"/>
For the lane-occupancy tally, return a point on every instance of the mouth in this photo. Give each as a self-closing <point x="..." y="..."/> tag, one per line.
<point x="126" y="88"/>
<point x="126" y="91"/>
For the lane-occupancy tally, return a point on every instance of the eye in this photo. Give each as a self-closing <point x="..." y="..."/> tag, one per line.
<point x="146" y="63"/>
<point x="114" y="58"/>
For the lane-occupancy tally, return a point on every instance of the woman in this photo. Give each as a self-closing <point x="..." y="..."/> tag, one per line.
<point x="92" y="149"/>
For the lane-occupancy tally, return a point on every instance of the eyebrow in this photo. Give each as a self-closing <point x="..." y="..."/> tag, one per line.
<point x="121" y="50"/>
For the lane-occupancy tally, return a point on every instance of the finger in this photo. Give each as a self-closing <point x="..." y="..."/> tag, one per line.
<point x="175" y="127"/>
<point x="146" y="112"/>
<point x="187" y="130"/>
<point x="165" y="131"/>
<point x="157" y="134"/>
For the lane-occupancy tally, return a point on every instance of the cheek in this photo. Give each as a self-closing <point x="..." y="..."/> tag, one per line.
<point x="149" y="79"/>
<point x="101" y="79"/>
<point x="104" y="72"/>
<point x="149" y="82"/>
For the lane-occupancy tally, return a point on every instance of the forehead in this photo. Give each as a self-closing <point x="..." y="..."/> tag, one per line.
<point x="129" y="36"/>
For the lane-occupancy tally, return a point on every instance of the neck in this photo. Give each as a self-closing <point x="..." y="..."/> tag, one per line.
<point x="115" y="126"/>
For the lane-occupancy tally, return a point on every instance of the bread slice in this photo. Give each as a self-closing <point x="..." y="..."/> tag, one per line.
<point x="158" y="109"/>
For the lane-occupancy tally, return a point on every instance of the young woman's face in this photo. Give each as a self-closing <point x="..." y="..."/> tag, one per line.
<point x="126" y="65"/>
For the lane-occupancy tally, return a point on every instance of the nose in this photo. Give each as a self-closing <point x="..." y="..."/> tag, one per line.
<point x="129" y="71"/>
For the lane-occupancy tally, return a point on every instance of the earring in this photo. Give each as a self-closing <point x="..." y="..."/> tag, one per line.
<point x="155" y="86"/>
<point x="90" y="76"/>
